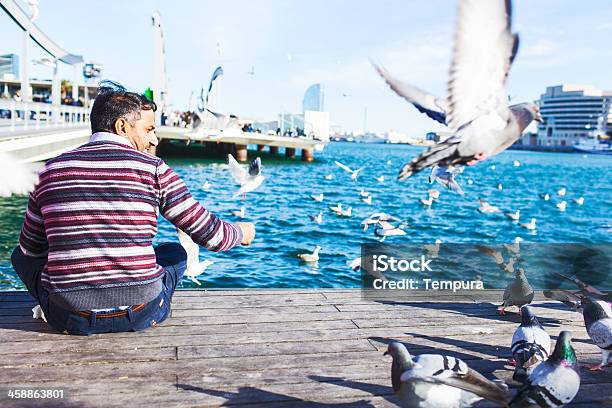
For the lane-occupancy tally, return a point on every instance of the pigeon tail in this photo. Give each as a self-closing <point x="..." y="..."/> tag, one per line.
<point x="442" y="154"/>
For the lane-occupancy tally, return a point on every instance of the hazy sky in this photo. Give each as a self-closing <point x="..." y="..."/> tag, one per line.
<point x="292" y="44"/>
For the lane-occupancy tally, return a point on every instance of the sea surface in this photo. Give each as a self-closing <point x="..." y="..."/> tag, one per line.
<point x="280" y="209"/>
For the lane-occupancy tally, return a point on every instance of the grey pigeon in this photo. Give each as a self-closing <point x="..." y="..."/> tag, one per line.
<point x="598" y="321"/>
<point x="437" y="381"/>
<point x="553" y="383"/>
<point x="445" y="175"/>
<point x="476" y="109"/>
<point x="530" y="345"/>
<point x="518" y="292"/>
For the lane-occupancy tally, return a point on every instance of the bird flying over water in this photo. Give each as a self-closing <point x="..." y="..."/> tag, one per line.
<point x="354" y="173"/>
<point x="476" y="109"/>
<point x="194" y="267"/>
<point x="248" y="177"/>
<point x="445" y="175"/>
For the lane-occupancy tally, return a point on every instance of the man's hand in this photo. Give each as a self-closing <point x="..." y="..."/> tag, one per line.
<point x="248" y="232"/>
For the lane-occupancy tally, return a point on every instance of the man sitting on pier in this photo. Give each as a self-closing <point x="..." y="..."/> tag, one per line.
<point x="85" y="250"/>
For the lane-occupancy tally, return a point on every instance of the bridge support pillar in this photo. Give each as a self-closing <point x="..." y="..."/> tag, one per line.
<point x="273" y="149"/>
<point x="307" y="155"/>
<point x="261" y="148"/>
<point x="290" y="152"/>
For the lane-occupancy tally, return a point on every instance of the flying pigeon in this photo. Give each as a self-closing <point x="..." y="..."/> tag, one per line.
<point x="476" y="110"/>
<point x="497" y="256"/>
<point x="15" y="177"/>
<point x="194" y="267"/>
<point x="445" y="175"/>
<point x="530" y="345"/>
<point x="249" y="178"/>
<point x="570" y="299"/>
<point x="433" y="380"/>
<point x="553" y="383"/>
<point x="597" y="316"/>
<point x="518" y="292"/>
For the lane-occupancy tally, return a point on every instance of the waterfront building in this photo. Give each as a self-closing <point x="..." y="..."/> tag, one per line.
<point x="571" y="113"/>
<point x="314" y="99"/>
<point x="9" y="66"/>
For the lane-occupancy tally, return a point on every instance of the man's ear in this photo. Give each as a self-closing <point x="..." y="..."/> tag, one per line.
<point x="121" y="127"/>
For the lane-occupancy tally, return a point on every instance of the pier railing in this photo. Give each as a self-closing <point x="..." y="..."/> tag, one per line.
<point x="37" y="115"/>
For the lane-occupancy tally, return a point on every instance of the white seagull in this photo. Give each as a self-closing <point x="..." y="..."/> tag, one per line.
<point x="562" y="205"/>
<point x="194" y="267"/>
<point x="515" y="216"/>
<point x="329" y="177"/>
<point x="206" y="185"/>
<point x="248" y="177"/>
<point x="367" y="200"/>
<point x="317" y="218"/>
<point x="579" y="200"/>
<point x="354" y="173"/>
<point x="380" y="179"/>
<point x="487" y="208"/>
<point x="318" y="197"/>
<point x="531" y="225"/>
<point x="239" y="213"/>
<point x="561" y="192"/>
<point x="314" y="257"/>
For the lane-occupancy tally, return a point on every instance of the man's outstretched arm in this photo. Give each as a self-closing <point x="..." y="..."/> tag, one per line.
<point x="179" y="207"/>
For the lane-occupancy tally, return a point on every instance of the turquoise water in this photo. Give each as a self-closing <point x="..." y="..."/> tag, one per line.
<point x="280" y="209"/>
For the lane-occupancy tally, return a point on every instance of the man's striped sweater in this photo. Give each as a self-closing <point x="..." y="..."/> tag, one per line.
<point x="94" y="215"/>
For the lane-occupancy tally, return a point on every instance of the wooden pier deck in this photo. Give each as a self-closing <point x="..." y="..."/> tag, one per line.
<point x="271" y="348"/>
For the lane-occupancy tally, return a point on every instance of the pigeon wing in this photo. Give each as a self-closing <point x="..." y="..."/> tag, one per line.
<point x="476" y="383"/>
<point x="425" y="103"/>
<point x="482" y="56"/>
<point x="238" y="172"/>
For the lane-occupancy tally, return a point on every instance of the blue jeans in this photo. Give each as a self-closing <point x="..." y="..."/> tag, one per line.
<point x="171" y="256"/>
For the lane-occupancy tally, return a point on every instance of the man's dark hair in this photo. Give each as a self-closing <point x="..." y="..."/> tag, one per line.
<point x="114" y="102"/>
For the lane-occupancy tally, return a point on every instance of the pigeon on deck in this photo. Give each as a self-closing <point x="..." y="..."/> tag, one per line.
<point x="553" y="383"/>
<point x="530" y="345"/>
<point x="438" y="381"/>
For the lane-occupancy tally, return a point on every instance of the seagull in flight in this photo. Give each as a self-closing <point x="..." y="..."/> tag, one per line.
<point x="194" y="267"/>
<point x="354" y="173"/>
<point x="248" y="177"/>
<point x="476" y="110"/>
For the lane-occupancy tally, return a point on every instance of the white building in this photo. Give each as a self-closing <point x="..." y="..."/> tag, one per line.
<point x="571" y="112"/>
